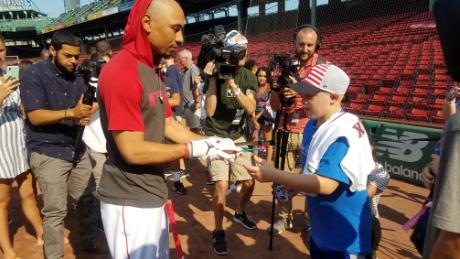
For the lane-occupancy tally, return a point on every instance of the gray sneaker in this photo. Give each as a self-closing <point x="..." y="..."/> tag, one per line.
<point x="281" y="225"/>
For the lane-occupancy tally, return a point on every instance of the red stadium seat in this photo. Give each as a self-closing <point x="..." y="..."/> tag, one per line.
<point x="402" y="91"/>
<point x="361" y="98"/>
<point x="438" y="117"/>
<point x="419" y="114"/>
<point x="418" y="101"/>
<point x="396" y="112"/>
<point x="397" y="100"/>
<point x="379" y="98"/>
<point x="420" y="91"/>
<point x="438" y="103"/>
<point x="385" y="90"/>
<point x="374" y="109"/>
<point x="356" y="106"/>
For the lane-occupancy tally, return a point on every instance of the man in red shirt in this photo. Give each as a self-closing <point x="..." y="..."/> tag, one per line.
<point x="136" y="119"/>
<point x="307" y="41"/>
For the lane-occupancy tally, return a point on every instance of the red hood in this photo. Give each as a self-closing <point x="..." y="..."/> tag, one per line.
<point x="135" y="38"/>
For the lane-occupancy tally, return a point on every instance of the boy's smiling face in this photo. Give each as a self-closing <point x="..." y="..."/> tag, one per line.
<point x="319" y="105"/>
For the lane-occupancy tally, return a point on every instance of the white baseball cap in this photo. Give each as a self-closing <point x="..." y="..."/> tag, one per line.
<point x="234" y="38"/>
<point x="324" y="77"/>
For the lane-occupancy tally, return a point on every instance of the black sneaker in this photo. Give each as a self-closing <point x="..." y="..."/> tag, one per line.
<point x="179" y="188"/>
<point x="218" y="242"/>
<point x="244" y="220"/>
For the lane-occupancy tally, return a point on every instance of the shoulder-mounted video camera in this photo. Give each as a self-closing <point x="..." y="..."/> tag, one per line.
<point x="91" y="68"/>
<point x="226" y="58"/>
<point x="282" y="66"/>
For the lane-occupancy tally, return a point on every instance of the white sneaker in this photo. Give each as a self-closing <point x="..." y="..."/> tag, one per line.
<point x="231" y="188"/>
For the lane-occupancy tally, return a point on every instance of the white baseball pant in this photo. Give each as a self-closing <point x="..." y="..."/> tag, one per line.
<point x="136" y="233"/>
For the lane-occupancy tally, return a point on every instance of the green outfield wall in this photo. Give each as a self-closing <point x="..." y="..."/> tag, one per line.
<point x="403" y="150"/>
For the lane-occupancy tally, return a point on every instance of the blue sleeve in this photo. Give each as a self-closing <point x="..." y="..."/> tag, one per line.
<point x="171" y="80"/>
<point x="437" y="148"/>
<point x="33" y="94"/>
<point x="329" y="166"/>
<point x="172" y="84"/>
<point x="305" y="143"/>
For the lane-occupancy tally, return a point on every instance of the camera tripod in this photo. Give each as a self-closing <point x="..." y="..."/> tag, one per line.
<point x="281" y="136"/>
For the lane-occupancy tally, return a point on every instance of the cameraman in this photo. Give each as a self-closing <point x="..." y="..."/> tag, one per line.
<point x="52" y="95"/>
<point x="227" y="103"/>
<point x="93" y="135"/>
<point x="307" y="41"/>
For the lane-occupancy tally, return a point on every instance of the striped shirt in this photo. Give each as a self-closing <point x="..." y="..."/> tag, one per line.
<point x="13" y="153"/>
<point x="379" y="177"/>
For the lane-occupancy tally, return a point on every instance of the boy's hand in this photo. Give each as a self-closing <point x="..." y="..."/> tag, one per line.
<point x="430" y="171"/>
<point x="261" y="171"/>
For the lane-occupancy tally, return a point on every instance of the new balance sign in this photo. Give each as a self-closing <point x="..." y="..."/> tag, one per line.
<point x="403" y="150"/>
<point x="402" y="147"/>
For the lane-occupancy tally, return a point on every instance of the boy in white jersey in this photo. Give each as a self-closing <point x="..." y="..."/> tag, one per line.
<point x="336" y="160"/>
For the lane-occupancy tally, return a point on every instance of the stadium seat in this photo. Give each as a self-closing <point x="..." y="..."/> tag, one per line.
<point x="438" y="103"/>
<point x="374" y="109"/>
<point x="438" y="117"/>
<point x="419" y="101"/>
<point x="402" y="91"/>
<point x="396" y="112"/>
<point x="420" y="91"/>
<point x="397" y="100"/>
<point x="385" y="90"/>
<point x="361" y="98"/>
<point x="379" y="98"/>
<point x="418" y="114"/>
<point x="356" y="107"/>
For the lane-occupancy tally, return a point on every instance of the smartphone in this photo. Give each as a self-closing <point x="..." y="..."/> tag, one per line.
<point x="13" y="71"/>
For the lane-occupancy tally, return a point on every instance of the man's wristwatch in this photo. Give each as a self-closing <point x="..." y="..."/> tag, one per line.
<point x="237" y="91"/>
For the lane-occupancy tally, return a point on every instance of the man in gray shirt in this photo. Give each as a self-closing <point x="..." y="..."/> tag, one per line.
<point x="191" y="104"/>
<point x="443" y="233"/>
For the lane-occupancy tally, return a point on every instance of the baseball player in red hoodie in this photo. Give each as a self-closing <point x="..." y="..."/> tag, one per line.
<point x="136" y="119"/>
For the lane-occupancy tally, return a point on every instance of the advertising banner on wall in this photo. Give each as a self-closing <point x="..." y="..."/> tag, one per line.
<point x="403" y="150"/>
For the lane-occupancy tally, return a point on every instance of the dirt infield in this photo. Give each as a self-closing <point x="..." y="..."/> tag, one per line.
<point x="195" y="223"/>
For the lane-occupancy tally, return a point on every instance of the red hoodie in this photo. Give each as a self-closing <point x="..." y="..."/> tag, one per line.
<point x="121" y="83"/>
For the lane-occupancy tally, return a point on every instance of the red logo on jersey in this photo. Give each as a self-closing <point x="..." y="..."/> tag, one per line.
<point x="153" y="96"/>
<point x="359" y="128"/>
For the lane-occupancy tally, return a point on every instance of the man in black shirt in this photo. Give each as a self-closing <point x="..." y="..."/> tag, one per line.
<point x="52" y="96"/>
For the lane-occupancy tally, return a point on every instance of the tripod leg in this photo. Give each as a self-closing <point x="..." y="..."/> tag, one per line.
<point x="282" y="138"/>
<point x="279" y="135"/>
<point x="276" y="161"/>
<point x="284" y="143"/>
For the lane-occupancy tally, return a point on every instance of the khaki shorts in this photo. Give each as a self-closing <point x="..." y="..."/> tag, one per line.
<point x="293" y="151"/>
<point x="221" y="171"/>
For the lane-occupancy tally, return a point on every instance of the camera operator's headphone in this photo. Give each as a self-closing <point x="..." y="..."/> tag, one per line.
<point x="315" y="29"/>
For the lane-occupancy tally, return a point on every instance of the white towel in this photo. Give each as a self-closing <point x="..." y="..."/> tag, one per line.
<point x="358" y="162"/>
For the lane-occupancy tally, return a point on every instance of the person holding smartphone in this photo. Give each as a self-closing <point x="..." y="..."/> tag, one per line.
<point x="13" y="160"/>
